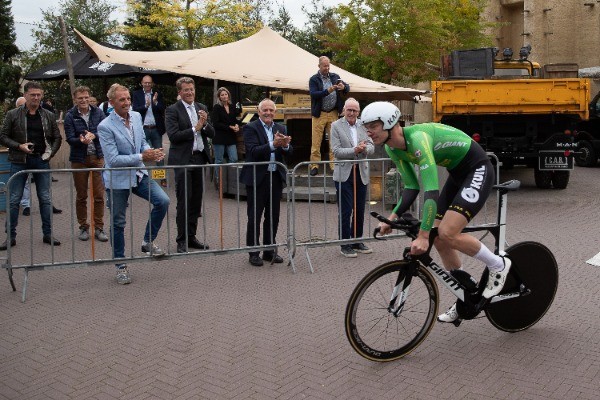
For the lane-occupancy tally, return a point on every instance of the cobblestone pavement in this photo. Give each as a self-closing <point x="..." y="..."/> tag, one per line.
<point x="216" y="328"/>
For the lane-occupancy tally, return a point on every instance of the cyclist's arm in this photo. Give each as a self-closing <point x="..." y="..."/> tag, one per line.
<point x="429" y="178"/>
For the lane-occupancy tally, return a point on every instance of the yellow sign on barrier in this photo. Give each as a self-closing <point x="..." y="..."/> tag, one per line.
<point x="159" y="174"/>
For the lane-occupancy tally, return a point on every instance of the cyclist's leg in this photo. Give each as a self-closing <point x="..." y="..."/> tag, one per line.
<point x="469" y="200"/>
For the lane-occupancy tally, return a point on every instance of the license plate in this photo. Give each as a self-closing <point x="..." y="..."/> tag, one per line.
<point x="554" y="160"/>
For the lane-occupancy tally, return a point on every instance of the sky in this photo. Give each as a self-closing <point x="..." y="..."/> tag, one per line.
<point x="28" y="12"/>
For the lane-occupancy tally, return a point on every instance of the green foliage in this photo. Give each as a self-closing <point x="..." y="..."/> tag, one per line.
<point x="9" y="73"/>
<point x="392" y="41"/>
<point x="90" y="17"/>
<point x="190" y="24"/>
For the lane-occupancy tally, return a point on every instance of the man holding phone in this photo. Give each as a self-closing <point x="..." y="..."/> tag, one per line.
<point x="81" y="128"/>
<point x="326" y="104"/>
<point x="31" y="134"/>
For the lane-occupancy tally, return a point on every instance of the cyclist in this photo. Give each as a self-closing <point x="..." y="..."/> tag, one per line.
<point x="470" y="181"/>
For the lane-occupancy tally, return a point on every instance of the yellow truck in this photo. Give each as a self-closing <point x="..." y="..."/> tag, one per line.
<point x="508" y="107"/>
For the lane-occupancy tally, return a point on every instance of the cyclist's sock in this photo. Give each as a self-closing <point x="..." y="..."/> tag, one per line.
<point x="493" y="261"/>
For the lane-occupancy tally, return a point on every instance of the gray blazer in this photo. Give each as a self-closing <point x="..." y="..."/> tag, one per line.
<point x="343" y="149"/>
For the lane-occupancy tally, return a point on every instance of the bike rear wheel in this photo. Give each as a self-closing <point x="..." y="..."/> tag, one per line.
<point x="373" y="330"/>
<point x="533" y="265"/>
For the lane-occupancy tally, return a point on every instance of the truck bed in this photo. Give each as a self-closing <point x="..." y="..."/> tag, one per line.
<point x="511" y="96"/>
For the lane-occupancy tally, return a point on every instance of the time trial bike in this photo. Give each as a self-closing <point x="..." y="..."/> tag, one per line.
<point x="394" y="307"/>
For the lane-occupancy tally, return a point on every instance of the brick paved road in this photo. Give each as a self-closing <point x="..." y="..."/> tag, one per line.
<point x="216" y="328"/>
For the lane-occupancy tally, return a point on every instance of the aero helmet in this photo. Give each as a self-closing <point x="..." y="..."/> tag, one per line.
<point x="382" y="111"/>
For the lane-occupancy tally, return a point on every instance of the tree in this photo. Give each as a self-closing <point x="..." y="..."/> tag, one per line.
<point x="283" y="25"/>
<point x="319" y="26"/>
<point x="392" y="41"/>
<point x="144" y="31"/>
<point x="9" y="73"/>
<point x="90" y="17"/>
<point x="196" y="24"/>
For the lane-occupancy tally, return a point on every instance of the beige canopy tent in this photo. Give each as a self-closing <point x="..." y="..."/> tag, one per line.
<point x="263" y="59"/>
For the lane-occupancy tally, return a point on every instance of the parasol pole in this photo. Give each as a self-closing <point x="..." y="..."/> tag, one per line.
<point x="63" y="31"/>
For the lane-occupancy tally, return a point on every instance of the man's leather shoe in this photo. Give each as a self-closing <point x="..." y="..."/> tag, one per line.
<point x="193" y="243"/>
<point x="256" y="261"/>
<point x="272" y="259"/>
<point x="4" y="245"/>
<point x="56" y="210"/>
<point x="26" y="211"/>
<point x="181" y="248"/>
<point x="51" y="240"/>
<point x="314" y="171"/>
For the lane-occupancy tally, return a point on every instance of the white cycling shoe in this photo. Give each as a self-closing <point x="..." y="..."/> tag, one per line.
<point x="449" y="316"/>
<point x="496" y="280"/>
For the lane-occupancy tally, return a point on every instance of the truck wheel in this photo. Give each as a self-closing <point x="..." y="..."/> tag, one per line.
<point x="587" y="157"/>
<point x="543" y="179"/>
<point x="560" y="179"/>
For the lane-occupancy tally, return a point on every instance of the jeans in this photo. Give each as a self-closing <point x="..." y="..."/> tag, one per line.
<point x="80" y="179"/>
<point x="42" y="183"/>
<point x="219" y="150"/>
<point x="351" y="220"/>
<point x="26" y="199"/>
<point x="154" y="139"/>
<point x="147" y="189"/>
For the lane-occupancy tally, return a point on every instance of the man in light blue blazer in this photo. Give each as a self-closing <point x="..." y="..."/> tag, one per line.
<point x="349" y="142"/>
<point x="124" y="145"/>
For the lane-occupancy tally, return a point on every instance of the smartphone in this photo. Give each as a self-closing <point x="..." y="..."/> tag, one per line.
<point x="30" y="146"/>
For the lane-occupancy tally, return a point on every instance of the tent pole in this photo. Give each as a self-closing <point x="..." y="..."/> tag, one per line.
<point x="63" y="30"/>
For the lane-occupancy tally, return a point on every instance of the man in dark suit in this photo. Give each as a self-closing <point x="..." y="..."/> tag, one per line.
<point x="264" y="141"/>
<point x="150" y="104"/>
<point x="188" y="129"/>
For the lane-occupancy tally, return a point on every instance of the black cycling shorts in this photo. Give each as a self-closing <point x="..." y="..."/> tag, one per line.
<point x="467" y="191"/>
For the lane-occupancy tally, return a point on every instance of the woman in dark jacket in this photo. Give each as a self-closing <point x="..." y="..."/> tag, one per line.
<point x="223" y="118"/>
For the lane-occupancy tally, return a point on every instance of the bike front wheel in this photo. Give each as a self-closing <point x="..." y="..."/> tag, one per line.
<point x="375" y="328"/>
<point x="534" y="269"/>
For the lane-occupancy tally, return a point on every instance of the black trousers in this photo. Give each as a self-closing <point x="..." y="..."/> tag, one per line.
<point x="264" y="199"/>
<point x="190" y="192"/>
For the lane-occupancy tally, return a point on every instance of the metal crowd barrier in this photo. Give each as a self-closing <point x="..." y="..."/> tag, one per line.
<point x="310" y="219"/>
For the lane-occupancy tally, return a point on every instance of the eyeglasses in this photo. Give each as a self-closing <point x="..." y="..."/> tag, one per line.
<point x="352" y="111"/>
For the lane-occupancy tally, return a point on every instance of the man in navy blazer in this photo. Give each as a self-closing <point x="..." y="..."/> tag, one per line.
<point x="151" y="106"/>
<point x="188" y="130"/>
<point x="124" y="145"/>
<point x="326" y="103"/>
<point x="264" y="140"/>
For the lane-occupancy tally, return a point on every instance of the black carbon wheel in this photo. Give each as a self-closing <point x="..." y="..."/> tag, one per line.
<point x="535" y="266"/>
<point x="375" y="332"/>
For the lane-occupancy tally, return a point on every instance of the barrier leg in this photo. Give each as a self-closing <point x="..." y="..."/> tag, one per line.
<point x="25" y="280"/>
<point x="312" y="271"/>
<point x="10" y="279"/>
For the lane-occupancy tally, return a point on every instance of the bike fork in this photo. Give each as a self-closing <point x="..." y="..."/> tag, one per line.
<point x="399" y="294"/>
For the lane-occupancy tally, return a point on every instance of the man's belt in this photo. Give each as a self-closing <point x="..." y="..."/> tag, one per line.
<point x="196" y="152"/>
<point x="150" y="126"/>
<point x="327" y="111"/>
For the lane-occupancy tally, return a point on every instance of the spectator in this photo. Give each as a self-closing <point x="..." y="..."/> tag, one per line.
<point x="188" y="129"/>
<point x="124" y="145"/>
<point x="106" y="107"/>
<point x="223" y="118"/>
<point x="32" y="137"/>
<point x="26" y="199"/>
<point x="93" y="101"/>
<point x="349" y="141"/>
<point x="326" y="104"/>
<point x="265" y="140"/>
<point x="150" y="104"/>
<point x="81" y="131"/>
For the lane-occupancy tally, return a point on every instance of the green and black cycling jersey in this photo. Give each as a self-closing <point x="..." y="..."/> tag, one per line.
<point x="432" y="144"/>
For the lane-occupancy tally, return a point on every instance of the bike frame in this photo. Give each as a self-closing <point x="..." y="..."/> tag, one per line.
<point x="498" y="230"/>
